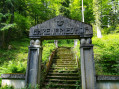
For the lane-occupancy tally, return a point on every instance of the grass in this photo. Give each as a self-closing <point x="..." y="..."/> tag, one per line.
<point x="106" y="54"/>
<point x="15" y="59"/>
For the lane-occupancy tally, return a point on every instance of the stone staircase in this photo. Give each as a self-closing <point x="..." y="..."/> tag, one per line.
<point x="63" y="73"/>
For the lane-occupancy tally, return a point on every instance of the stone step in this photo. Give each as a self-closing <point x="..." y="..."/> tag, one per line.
<point x="60" y="86"/>
<point x="62" y="81"/>
<point x="64" y="55"/>
<point x="74" y="69"/>
<point x="55" y="67"/>
<point x="60" y="53"/>
<point x="63" y="71"/>
<point x="63" y="59"/>
<point x="64" y="74"/>
<point x="65" y="62"/>
<point x="63" y="77"/>
<point x="64" y="65"/>
<point x="70" y="60"/>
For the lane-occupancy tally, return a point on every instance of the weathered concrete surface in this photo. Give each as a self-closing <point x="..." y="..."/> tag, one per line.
<point x="61" y="27"/>
<point x="13" y="76"/>
<point x="107" y="82"/>
<point x="17" y="84"/>
<point x="16" y="80"/>
<point x="33" y="71"/>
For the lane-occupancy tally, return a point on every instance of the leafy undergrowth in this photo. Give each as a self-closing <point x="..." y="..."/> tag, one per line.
<point x="66" y="43"/>
<point x="106" y="54"/>
<point x="14" y="60"/>
<point x="7" y="87"/>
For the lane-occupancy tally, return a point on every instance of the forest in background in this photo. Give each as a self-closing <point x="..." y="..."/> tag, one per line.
<point x="17" y="16"/>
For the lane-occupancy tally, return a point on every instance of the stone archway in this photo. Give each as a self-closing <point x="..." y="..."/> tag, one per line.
<point x="61" y="28"/>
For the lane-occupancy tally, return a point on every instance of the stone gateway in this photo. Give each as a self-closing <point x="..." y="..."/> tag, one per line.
<point x="61" y="27"/>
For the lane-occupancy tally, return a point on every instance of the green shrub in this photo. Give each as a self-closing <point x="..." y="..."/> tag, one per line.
<point x="7" y="87"/>
<point x="47" y="49"/>
<point x="15" y="59"/>
<point x="66" y="43"/>
<point x="13" y="67"/>
<point x="106" y="54"/>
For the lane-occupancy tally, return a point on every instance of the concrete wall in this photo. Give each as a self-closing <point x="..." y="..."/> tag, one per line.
<point x="15" y="80"/>
<point x="16" y="83"/>
<point x="107" y="82"/>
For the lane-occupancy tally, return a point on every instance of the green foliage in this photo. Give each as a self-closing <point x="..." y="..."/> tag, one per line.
<point x="23" y="23"/>
<point x="14" y="67"/>
<point x="14" y="60"/>
<point x="0" y="81"/>
<point x="75" y="9"/>
<point x="7" y="87"/>
<point x="31" y="87"/>
<point x="47" y="49"/>
<point x="66" y="43"/>
<point x="106" y="54"/>
<point x="7" y="26"/>
<point x="77" y="49"/>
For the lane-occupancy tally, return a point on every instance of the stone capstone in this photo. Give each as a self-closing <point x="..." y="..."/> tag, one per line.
<point x="13" y="76"/>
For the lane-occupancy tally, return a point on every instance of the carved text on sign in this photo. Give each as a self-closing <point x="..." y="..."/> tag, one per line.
<point x="55" y="31"/>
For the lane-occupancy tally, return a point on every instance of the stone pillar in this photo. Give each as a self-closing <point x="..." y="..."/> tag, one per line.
<point x="56" y="43"/>
<point x="75" y="42"/>
<point x="87" y="64"/>
<point x="33" y="73"/>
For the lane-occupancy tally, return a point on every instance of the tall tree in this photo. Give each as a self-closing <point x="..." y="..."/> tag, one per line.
<point x="96" y="12"/>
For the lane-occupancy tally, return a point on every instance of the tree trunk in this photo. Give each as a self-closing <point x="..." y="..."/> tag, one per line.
<point x="96" y="12"/>
<point x="11" y="21"/>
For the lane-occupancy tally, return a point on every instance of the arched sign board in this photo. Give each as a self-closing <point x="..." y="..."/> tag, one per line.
<point x="61" y="27"/>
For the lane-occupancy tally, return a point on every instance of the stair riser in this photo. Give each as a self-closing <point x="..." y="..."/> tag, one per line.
<point x="54" y="67"/>
<point x="65" y="87"/>
<point x="64" y="62"/>
<point x="63" y="82"/>
<point x="64" y="65"/>
<point x="63" y="71"/>
<point x="63" y="74"/>
<point x="61" y="59"/>
<point x="63" y="78"/>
